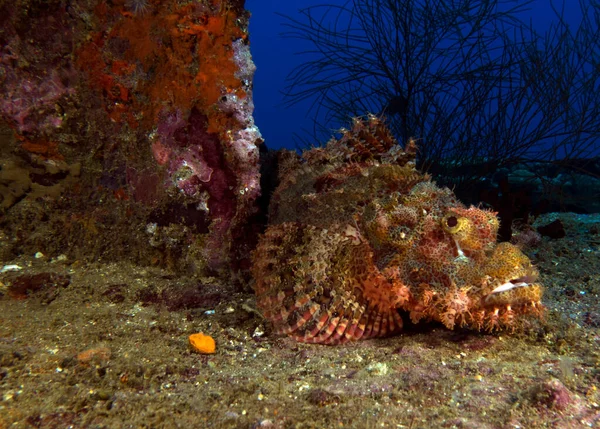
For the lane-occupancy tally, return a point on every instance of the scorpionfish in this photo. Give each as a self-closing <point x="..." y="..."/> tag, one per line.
<point x="358" y="239"/>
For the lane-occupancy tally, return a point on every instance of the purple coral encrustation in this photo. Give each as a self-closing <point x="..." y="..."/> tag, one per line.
<point x="185" y="146"/>
<point x="245" y="140"/>
<point x="169" y="123"/>
<point x="217" y="170"/>
<point x="29" y="100"/>
<point x="35" y="72"/>
<point x="187" y="162"/>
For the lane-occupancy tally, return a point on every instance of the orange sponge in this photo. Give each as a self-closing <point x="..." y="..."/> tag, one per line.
<point x="202" y="343"/>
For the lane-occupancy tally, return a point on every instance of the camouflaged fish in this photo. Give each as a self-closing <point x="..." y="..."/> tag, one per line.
<point x="357" y="237"/>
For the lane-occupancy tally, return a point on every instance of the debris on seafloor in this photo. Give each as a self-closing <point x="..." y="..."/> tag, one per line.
<point x="202" y="343"/>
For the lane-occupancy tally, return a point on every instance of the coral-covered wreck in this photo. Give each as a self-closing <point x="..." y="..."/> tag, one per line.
<point x="357" y="233"/>
<point x="129" y="131"/>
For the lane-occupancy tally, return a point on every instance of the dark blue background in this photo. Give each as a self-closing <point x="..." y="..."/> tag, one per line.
<point x="275" y="57"/>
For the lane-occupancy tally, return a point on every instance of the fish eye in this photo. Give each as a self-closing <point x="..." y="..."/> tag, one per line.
<point x="454" y="224"/>
<point x="451" y="221"/>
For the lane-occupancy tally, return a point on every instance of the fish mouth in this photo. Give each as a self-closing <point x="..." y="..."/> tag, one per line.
<point x="518" y="295"/>
<point x="526" y="280"/>
<point x="519" y="291"/>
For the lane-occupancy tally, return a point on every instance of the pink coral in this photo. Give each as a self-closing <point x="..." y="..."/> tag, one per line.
<point x="196" y="159"/>
<point x="29" y="101"/>
<point x="35" y="73"/>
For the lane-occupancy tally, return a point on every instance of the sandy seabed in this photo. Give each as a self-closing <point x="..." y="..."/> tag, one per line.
<point x="105" y="345"/>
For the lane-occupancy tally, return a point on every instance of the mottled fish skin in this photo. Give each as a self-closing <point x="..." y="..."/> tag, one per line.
<point x="357" y="234"/>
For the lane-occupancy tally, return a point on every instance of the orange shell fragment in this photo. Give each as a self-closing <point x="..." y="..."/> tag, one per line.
<point x="99" y="354"/>
<point x="202" y="343"/>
